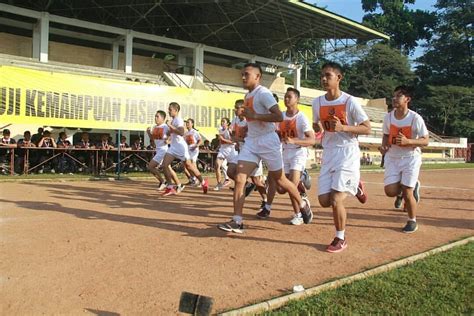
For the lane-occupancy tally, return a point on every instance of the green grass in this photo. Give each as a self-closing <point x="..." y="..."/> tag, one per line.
<point x="439" y="285"/>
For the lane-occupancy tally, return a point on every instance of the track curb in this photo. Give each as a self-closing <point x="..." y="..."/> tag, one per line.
<point x="282" y="300"/>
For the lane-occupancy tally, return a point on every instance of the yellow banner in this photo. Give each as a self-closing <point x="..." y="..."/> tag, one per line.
<point x="56" y="99"/>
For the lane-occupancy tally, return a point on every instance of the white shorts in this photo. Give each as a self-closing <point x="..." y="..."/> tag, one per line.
<point x="160" y="154"/>
<point x="266" y="148"/>
<point x="193" y="154"/>
<point x="402" y="169"/>
<point x="232" y="158"/>
<point x="294" y="159"/>
<point x="179" y="151"/>
<point x="257" y="172"/>
<point x="226" y="151"/>
<point x="340" y="170"/>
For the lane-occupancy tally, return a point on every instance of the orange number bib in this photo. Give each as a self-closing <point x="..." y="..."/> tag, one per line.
<point x="395" y="130"/>
<point x="248" y="103"/>
<point x="158" y="132"/>
<point x="189" y="139"/>
<point x="325" y="113"/>
<point x="288" y="129"/>
<point x="240" y="131"/>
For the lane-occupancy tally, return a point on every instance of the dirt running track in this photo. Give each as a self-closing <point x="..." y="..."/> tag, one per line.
<point x="118" y="247"/>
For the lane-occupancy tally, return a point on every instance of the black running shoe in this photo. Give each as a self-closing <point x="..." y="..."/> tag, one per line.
<point x="264" y="213"/>
<point x="249" y="187"/>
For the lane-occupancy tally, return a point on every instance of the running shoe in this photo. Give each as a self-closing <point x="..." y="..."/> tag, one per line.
<point x="264" y="213"/>
<point x="306" y="179"/>
<point x="398" y="201"/>
<point x="205" y="185"/>
<point x="249" y="187"/>
<point x="162" y="186"/>
<point x="232" y="227"/>
<point x="361" y="193"/>
<point x="180" y="188"/>
<point x="337" y="245"/>
<point x="218" y="187"/>
<point x="297" y="220"/>
<point x="410" y="227"/>
<point x="170" y="191"/>
<point x="306" y="212"/>
<point x="416" y="192"/>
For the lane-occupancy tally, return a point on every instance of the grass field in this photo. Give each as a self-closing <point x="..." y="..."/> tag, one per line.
<point x="441" y="285"/>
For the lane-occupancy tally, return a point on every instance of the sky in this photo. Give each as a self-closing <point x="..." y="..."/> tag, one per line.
<point x="352" y="9"/>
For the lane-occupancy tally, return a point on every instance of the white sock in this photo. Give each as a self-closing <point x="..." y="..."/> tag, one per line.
<point x="299" y="215"/>
<point x="268" y="206"/>
<point x="170" y="186"/>
<point x="412" y="219"/>
<point x="237" y="219"/>
<point x="340" y="234"/>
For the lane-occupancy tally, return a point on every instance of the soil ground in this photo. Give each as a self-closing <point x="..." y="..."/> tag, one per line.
<point x="119" y="247"/>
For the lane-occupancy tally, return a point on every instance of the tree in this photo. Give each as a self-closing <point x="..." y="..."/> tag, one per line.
<point x="448" y="110"/>
<point x="448" y="56"/>
<point x="405" y="27"/>
<point x="378" y="72"/>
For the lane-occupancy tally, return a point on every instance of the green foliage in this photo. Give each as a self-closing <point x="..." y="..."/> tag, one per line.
<point x="405" y="27"/>
<point x="378" y="72"/>
<point x="448" y="109"/>
<point x="439" y="285"/>
<point x="448" y="57"/>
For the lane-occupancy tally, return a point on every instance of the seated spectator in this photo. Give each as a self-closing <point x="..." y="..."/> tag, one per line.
<point x="215" y="143"/>
<point x="22" y="164"/>
<point x="369" y="159"/>
<point x="85" y="157"/>
<point x="136" y="163"/>
<point x="46" y="142"/>
<point x="65" y="163"/>
<point x="105" y="159"/>
<point x="363" y="159"/>
<point x="205" y="145"/>
<point x="37" y="137"/>
<point x="6" y="145"/>
<point x="123" y="146"/>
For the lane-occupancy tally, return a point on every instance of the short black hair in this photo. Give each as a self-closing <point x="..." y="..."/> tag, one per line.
<point x="239" y="103"/>
<point x="175" y="105"/>
<point x="226" y="119"/>
<point x="295" y="91"/>
<point x="62" y="133"/>
<point x="161" y="113"/>
<point x="405" y="90"/>
<point x="333" y="65"/>
<point x="6" y="131"/>
<point x="190" y="119"/>
<point x="254" y="65"/>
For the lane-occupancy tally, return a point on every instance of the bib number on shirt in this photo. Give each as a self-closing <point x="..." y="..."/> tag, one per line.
<point x="248" y="103"/>
<point x="327" y="112"/>
<point x="288" y="129"/>
<point x="189" y="139"/>
<point x="158" y="132"/>
<point x="395" y="130"/>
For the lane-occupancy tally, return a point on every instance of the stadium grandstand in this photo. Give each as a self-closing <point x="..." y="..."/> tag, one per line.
<point x="140" y="55"/>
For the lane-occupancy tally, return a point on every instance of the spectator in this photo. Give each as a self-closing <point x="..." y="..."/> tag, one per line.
<point x="363" y="160"/>
<point x="369" y="159"/>
<point x="105" y="159"/>
<point x="7" y="144"/>
<point x="21" y="153"/>
<point x="124" y="162"/>
<point x="65" y="162"/>
<point x="37" y="137"/>
<point x="85" y="157"/>
<point x="44" y="155"/>
<point x="215" y="143"/>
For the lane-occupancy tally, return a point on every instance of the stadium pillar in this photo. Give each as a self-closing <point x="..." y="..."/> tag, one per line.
<point x="198" y="61"/>
<point x="115" y="55"/>
<point x="128" y="51"/>
<point x="41" y="38"/>
<point x="253" y="60"/>
<point x="297" y="77"/>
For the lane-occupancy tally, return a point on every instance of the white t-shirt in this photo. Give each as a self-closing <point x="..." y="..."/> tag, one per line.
<point x="162" y="133"/>
<point x="294" y="127"/>
<point x="261" y="100"/>
<point x="175" y="138"/>
<point x="192" y="138"/>
<point x="347" y="109"/>
<point x="412" y="126"/>
<point x="225" y="133"/>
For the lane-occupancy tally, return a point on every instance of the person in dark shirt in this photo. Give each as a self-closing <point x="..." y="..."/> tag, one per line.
<point x="65" y="163"/>
<point x="85" y="157"/>
<point x="6" y="145"/>
<point x="37" y="137"/>
<point x="25" y="142"/>
<point x="47" y="142"/>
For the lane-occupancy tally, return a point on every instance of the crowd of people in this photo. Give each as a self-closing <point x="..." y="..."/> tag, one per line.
<point x="261" y="134"/>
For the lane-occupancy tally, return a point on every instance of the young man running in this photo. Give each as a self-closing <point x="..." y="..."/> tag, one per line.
<point x="194" y="140"/>
<point x="342" y="119"/>
<point x="158" y="135"/>
<point x="296" y="134"/>
<point x="226" y="150"/>
<point x="404" y="133"/>
<point x="261" y="143"/>
<point x="178" y="150"/>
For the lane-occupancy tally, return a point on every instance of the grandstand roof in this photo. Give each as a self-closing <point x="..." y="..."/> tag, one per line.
<point x="260" y="27"/>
